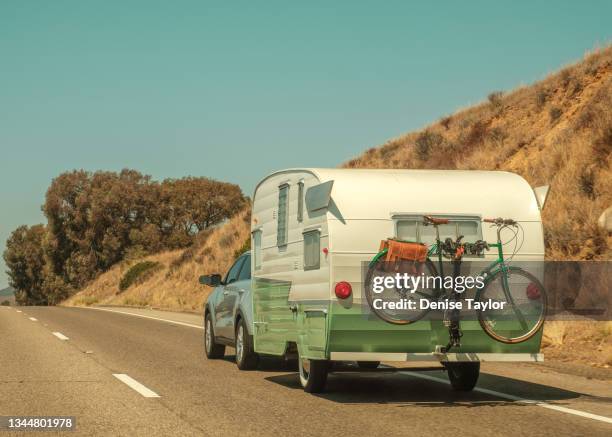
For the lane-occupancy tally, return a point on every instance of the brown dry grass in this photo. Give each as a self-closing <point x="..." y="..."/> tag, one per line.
<point x="557" y="132"/>
<point x="175" y="284"/>
<point x="584" y="342"/>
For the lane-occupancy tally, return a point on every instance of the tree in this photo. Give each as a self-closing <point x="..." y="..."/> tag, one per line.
<point x="25" y="260"/>
<point x="95" y="220"/>
<point x="198" y="203"/>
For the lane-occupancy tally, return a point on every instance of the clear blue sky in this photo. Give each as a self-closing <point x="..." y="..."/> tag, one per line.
<point x="233" y="90"/>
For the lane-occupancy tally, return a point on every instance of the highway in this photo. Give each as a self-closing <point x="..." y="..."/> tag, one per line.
<point x="134" y="374"/>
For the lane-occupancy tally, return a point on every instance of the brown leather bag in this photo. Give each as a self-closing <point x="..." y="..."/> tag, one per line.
<point x="404" y="256"/>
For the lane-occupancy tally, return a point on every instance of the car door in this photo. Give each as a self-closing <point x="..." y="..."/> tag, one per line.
<point x="224" y="303"/>
<point x="236" y="290"/>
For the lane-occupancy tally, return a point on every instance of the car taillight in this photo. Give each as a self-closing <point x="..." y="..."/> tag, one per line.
<point x="343" y="290"/>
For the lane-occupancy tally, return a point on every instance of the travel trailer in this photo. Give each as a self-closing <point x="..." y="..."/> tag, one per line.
<point x="312" y="229"/>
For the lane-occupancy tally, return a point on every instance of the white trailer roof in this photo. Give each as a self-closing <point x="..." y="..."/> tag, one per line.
<point x="379" y="194"/>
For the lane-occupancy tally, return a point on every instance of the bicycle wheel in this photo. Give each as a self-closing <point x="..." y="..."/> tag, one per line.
<point x="401" y="316"/>
<point x="516" y="306"/>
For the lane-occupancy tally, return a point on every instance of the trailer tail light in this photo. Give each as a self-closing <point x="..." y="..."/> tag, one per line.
<point x="532" y="291"/>
<point x="343" y="290"/>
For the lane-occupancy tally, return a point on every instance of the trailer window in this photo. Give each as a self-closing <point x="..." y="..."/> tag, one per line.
<point x="407" y="230"/>
<point x="312" y="250"/>
<point x="281" y="224"/>
<point x="300" y="212"/>
<point x="412" y="229"/>
<point x="257" y="249"/>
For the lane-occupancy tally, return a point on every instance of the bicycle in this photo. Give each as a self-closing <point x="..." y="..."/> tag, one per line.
<point x="503" y="286"/>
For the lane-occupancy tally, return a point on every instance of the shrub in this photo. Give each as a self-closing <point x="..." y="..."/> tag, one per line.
<point x="134" y="253"/>
<point x="226" y="240"/>
<point x="186" y="255"/>
<point x="578" y="87"/>
<point x="587" y="183"/>
<point x="138" y="272"/>
<point x="446" y="121"/>
<point x="5" y="303"/>
<point x="476" y="134"/>
<point x="497" y="134"/>
<point x="425" y="142"/>
<point x="555" y="114"/>
<point x="541" y="97"/>
<point x="496" y="99"/>
<point x="566" y="76"/>
<point x="584" y="119"/>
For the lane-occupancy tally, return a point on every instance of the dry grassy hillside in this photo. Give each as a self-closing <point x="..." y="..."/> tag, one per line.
<point x="174" y="283"/>
<point x="557" y="132"/>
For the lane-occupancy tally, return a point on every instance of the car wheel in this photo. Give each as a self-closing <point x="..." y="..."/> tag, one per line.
<point x="213" y="350"/>
<point x="246" y="358"/>
<point x="313" y="374"/>
<point x="463" y="376"/>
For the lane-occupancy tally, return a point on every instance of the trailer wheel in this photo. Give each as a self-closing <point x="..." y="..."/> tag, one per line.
<point x="463" y="376"/>
<point x="212" y="349"/>
<point x="246" y="358"/>
<point x="313" y="374"/>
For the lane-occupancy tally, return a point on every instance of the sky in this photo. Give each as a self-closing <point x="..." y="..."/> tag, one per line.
<point x="235" y="90"/>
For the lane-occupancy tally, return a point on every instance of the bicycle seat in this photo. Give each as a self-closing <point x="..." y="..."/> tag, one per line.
<point x="435" y="221"/>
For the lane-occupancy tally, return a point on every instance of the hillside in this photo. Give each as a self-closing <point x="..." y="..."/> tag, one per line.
<point x="7" y="291"/>
<point x="174" y="283"/>
<point x="7" y="294"/>
<point x="556" y="132"/>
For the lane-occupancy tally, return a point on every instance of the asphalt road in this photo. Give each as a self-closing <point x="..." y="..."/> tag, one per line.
<point x="42" y="374"/>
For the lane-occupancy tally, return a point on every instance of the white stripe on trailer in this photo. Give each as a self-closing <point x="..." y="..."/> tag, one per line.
<point x="436" y="357"/>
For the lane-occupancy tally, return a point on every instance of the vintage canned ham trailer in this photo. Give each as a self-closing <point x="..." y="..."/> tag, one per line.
<point x="313" y="228"/>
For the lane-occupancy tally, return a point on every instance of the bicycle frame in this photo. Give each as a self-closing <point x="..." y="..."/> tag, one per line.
<point x="490" y="270"/>
<point x="434" y="251"/>
<point x="498" y="267"/>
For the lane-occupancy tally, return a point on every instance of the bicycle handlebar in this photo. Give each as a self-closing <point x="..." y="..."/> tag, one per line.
<point x="500" y="221"/>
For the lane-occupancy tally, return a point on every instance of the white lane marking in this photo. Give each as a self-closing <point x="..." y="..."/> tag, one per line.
<point x="518" y="399"/>
<point x="135" y="385"/>
<point x="18" y="311"/>
<point x="60" y="336"/>
<point x="34" y="319"/>
<point x="191" y="325"/>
